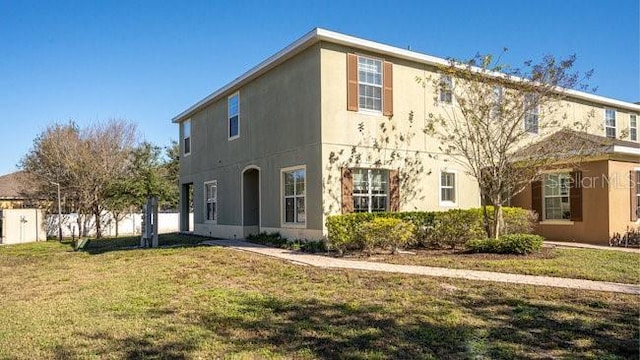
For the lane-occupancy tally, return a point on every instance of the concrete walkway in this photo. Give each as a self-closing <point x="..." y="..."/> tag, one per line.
<point x="330" y="262"/>
<point x="589" y="246"/>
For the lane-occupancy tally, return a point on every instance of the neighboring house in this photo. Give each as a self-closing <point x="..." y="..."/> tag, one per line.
<point x="20" y="219"/>
<point x="593" y="201"/>
<point x="16" y="191"/>
<point x="260" y="153"/>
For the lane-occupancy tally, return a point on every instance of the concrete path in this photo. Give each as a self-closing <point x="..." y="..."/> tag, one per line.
<point x="330" y="262"/>
<point x="589" y="246"/>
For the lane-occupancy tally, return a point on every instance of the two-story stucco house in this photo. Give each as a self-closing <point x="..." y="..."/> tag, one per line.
<point x="260" y="153"/>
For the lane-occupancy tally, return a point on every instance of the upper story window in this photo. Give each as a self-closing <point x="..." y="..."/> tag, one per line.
<point x="633" y="127"/>
<point x="186" y="137"/>
<point x="294" y="196"/>
<point x="496" y="103"/>
<point x="446" y="89"/>
<point x="369" y="84"/>
<point x="211" y="200"/>
<point x="531" y="113"/>
<point x="370" y="190"/>
<point x="233" y="103"/>
<point x="447" y="187"/>
<point x="610" y="123"/>
<point x="557" y="196"/>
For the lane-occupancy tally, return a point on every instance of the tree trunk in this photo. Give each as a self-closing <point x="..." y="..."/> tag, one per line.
<point x="116" y="219"/>
<point x="497" y="220"/>
<point x="485" y="220"/>
<point x="96" y="213"/>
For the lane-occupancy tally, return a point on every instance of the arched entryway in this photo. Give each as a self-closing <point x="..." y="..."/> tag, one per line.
<point x="251" y="200"/>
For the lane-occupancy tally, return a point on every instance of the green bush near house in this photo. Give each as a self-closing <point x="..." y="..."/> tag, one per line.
<point x="454" y="228"/>
<point x="434" y="229"/>
<point x="384" y="232"/>
<point x="520" y="244"/>
<point x="276" y="240"/>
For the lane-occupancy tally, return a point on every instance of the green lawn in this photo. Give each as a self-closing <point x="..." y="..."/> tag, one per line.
<point x="209" y="302"/>
<point x="601" y="265"/>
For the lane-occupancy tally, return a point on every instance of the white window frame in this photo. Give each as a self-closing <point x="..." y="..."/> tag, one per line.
<point x="441" y="201"/>
<point x="567" y="174"/>
<point x="370" y="195"/>
<point x="609" y="127"/>
<point x="185" y="138"/>
<point x="229" y="116"/>
<point x="443" y="89"/>
<point x="284" y="197"/>
<point x="533" y="112"/>
<point x="213" y="200"/>
<point x="633" y="127"/>
<point x="381" y="86"/>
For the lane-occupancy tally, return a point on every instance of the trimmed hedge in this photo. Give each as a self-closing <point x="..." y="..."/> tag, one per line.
<point x="386" y="233"/>
<point x="520" y="244"/>
<point x="453" y="228"/>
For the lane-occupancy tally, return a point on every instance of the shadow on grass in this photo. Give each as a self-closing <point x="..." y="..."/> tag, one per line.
<point x="101" y="246"/>
<point x="130" y="347"/>
<point x="515" y="328"/>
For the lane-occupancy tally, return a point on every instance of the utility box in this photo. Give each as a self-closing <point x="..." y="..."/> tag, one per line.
<point x="22" y="226"/>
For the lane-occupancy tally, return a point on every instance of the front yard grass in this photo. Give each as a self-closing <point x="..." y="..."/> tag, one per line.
<point x="211" y="302"/>
<point x="599" y="265"/>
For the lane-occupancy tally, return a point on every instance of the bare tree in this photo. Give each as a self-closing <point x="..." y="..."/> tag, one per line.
<point x="82" y="161"/>
<point x="496" y="116"/>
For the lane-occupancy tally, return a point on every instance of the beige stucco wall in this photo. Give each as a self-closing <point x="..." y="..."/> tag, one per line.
<point x="341" y="130"/>
<point x="22" y="226"/>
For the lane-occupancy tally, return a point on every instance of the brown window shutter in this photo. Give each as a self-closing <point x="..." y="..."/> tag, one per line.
<point x="634" y="176"/>
<point x="536" y="198"/>
<point x="347" y="191"/>
<point x="387" y="89"/>
<point x="575" y="196"/>
<point x="352" y="82"/>
<point x="394" y="190"/>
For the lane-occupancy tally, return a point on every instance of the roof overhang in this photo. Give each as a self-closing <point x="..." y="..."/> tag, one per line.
<point x="318" y="34"/>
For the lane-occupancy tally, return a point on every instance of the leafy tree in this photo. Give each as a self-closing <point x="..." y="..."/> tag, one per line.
<point x="83" y="161"/>
<point x="496" y="110"/>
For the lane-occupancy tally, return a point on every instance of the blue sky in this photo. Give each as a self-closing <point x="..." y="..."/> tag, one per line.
<point x="146" y="61"/>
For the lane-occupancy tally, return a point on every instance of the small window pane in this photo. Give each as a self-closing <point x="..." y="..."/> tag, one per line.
<point x="289" y="210"/>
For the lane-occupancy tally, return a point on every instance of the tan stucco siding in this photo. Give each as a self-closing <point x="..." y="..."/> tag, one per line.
<point x="342" y="130"/>
<point x="620" y="195"/>
<point x="606" y="204"/>
<point x="279" y="128"/>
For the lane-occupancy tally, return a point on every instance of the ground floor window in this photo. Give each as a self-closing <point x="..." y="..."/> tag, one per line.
<point x="447" y="187"/>
<point x="294" y="196"/>
<point x="370" y="190"/>
<point x="557" y="196"/>
<point x="211" y="200"/>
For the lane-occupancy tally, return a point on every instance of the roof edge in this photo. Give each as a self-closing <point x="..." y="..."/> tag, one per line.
<point x="320" y="34"/>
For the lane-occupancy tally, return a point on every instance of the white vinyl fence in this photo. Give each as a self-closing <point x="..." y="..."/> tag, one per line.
<point x="130" y="224"/>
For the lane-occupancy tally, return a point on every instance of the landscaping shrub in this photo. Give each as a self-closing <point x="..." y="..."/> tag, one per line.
<point x="434" y="229"/>
<point x="386" y="232"/>
<point x="454" y="228"/>
<point x="520" y="244"/>
<point x="276" y="240"/>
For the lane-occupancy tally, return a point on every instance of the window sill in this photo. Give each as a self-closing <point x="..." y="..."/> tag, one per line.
<point x="212" y="222"/>
<point x="293" y="225"/>
<point x="448" y="204"/>
<point x="233" y="137"/>
<point x="556" y="222"/>
<point x="369" y="112"/>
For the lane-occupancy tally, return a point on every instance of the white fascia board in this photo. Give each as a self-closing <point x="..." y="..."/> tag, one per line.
<point x="626" y="150"/>
<point x="319" y="34"/>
